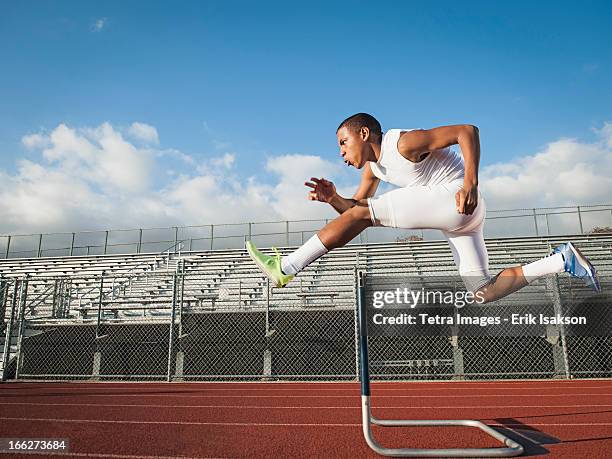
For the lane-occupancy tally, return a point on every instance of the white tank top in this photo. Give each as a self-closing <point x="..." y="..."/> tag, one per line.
<point x="440" y="166"/>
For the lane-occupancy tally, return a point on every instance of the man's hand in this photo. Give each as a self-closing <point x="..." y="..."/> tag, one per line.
<point x="466" y="199"/>
<point x="322" y="190"/>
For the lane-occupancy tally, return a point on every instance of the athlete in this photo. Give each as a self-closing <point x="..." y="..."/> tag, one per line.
<point x="438" y="190"/>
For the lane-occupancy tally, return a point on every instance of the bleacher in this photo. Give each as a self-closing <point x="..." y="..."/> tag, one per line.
<point x="228" y="279"/>
<point x="141" y="290"/>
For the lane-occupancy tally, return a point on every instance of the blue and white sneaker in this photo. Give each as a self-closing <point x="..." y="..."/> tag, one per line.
<point x="578" y="266"/>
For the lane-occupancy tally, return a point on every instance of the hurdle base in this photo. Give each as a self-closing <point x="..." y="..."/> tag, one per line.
<point x="511" y="449"/>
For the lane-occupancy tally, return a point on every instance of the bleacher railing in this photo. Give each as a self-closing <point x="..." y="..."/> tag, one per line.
<point x="500" y="223"/>
<point x="206" y="325"/>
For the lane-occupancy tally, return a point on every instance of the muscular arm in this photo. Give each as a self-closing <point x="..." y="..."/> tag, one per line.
<point x="412" y="143"/>
<point x="367" y="188"/>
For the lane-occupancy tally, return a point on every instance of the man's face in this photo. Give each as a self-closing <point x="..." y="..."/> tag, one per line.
<point x="353" y="147"/>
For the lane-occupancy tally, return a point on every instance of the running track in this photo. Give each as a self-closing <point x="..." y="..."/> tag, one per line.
<point x="554" y="419"/>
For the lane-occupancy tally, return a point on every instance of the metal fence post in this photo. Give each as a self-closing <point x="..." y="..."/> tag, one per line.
<point x="180" y="355"/>
<point x="535" y="221"/>
<point x="55" y="294"/>
<point x="250" y="232"/>
<point x="72" y="245"/>
<point x="267" y="306"/>
<point x="182" y="270"/>
<point x="547" y="225"/>
<point x="139" y="247"/>
<point x="101" y="294"/>
<point x="3" y="297"/>
<point x="22" y="326"/>
<point x="6" y="352"/>
<point x="212" y="236"/>
<point x="355" y="319"/>
<point x="267" y="354"/>
<point x="105" y="243"/>
<point x="287" y="232"/>
<point x="580" y="220"/>
<point x="171" y="331"/>
<point x="175" y="237"/>
<point x="8" y="246"/>
<point x="40" y="245"/>
<point x="97" y="357"/>
<point x="557" y="337"/>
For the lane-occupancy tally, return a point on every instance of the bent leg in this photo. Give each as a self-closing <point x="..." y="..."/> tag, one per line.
<point x="346" y="227"/>
<point x="470" y="255"/>
<point x="336" y="233"/>
<point x="471" y="258"/>
<point x="508" y="281"/>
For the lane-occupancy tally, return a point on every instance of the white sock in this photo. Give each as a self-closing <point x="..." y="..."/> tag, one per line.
<point x="548" y="265"/>
<point x="302" y="257"/>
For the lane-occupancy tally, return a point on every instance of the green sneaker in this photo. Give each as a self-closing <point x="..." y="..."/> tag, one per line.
<point x="270" y="266"/>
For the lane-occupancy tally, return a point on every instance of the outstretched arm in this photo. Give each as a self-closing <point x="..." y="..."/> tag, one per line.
<point x="412" y="143"/>
<point x="325" y="191"/>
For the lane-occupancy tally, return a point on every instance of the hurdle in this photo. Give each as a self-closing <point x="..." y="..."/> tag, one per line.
<point x="511" y="448"/>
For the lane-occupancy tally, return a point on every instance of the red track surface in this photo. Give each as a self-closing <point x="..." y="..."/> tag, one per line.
<point x="557" y="419"/>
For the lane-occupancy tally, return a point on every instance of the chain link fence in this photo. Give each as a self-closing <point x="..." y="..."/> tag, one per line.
<point x="204" y="323"/>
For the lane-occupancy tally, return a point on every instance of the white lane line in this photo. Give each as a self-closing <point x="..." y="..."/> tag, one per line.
<point x="266" y="424"/>
<point x="313" y="407"/>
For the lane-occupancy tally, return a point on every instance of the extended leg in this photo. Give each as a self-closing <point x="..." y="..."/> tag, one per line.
<point x="335" y="234"/>
<point x="470" y="254"/>
<point x="566" y="257"/>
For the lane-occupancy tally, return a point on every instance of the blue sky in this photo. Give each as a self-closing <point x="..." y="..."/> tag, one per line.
<point x="266" y="79"/>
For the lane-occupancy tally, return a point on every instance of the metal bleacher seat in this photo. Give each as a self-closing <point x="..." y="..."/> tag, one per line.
<point x="228" y="280"/>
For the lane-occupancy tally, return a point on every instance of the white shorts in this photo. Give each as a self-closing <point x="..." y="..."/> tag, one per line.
<point x="433" y="207"/>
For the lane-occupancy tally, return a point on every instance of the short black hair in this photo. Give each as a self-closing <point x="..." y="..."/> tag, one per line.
<point x="359" y="120"/>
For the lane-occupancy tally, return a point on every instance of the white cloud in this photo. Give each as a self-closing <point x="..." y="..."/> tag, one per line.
<point x="290" y="193"/>
<point x="101" y="156"/>
<point x="565" y="172"/>
<point x="85" y="178"/>
<point x="65" y="143"/>
<point x="94" y="178"/>
<point x="34" y="141"/>
<point x="171" y="152"/>
<point x="99" y="24"/>
<point x="44" y="199"/>
<point x="606" y="134"/>
<point x="144" y="132"/>
<point x="206" y="199"/>
<point x="226" y="161"/>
